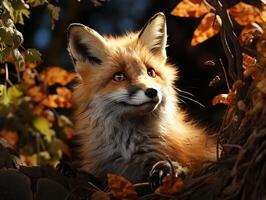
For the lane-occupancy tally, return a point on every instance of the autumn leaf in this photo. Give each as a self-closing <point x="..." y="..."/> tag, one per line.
<point x="208" y="27"/>
<point x="28" y="76"/>
<point x="10" y="136"/>
<point x="250" y="33"/>
<point x="63" y="99"/>
<point x="100" y="195"/>
<point x="187" y="8"/>
<point x="53" y="75"/>
<point x="226" y="99"/>
<point x="36" y="93"/>
<point x="170" y="186"/>
<point x="244" y="14"/>
<point x="261" y="85"/>
<point x="121" y="188"/>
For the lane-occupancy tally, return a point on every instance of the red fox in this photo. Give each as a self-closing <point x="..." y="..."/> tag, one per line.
<point x="127" y="116"/>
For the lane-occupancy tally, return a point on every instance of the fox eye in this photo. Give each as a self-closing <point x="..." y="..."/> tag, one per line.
<point x="151" y="72"/>
<point x="119" y="76"/>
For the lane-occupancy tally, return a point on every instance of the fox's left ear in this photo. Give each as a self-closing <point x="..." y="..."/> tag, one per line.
<point x="154" y="36"/>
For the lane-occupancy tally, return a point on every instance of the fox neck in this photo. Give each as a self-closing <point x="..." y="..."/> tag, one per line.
<point x="104" y="136"/>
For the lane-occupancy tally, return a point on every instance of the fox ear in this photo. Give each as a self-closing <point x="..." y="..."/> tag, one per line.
<point x="85" y="46"/>
<point x="154" y="36"/>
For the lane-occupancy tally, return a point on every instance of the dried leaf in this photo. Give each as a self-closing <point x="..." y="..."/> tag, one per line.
<point x="250" y="33"/>
<point x="170" y="187"/>
<point x="187" y="8"/>
<point x="100" y="195"/>
<point x="250" y="66"/>
<point x="121" y="188"/>
<point x="53" y="75"/>
<point x="208" y="27"/>
<point x="63" y="99"/>
<point x="226" y="99"/>
<point x="10" y="136"/>
<point x="244" y="14"/>
<point x="28" y="76"/>
<point x="36" y="93"/>
<point x="261" y="85"/>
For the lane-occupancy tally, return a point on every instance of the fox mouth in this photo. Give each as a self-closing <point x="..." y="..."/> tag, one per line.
<point x="138" y="105"/>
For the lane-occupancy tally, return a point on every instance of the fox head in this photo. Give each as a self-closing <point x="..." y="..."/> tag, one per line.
<point x="122" y="75"/>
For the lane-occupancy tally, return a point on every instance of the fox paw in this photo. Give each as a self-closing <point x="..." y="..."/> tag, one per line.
<point x="164" y="168"/>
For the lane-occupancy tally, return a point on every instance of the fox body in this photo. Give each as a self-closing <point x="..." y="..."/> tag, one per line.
<point x="127" y="116"/>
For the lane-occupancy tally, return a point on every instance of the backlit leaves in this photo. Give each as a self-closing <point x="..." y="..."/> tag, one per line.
<point x="54" y="75"/>
<point x="33" y="55"/>
<point x="208" y="27"/>
<point x="187" y="8"/>
<point x="244" y="14"/>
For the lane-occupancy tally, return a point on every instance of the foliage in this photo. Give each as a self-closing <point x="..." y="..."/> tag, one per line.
<point x="30" y="98"/>
<point x="253" y="20"/>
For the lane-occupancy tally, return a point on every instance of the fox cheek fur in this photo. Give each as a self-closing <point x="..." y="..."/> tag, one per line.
<point x="127" y="114"/>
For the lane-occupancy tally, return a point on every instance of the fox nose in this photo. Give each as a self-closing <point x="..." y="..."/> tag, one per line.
<point x="152" y="93"/>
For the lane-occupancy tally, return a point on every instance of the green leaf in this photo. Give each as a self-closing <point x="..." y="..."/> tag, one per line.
<point x="17" y="10"/>
<point x="33" y="55"/>
<point x="42" y="125"/>
<point x="35" y="3"/>
<point x="19" y="4"/>
<point x="17" y="38"/>
<point x="4" y="54"/>
<point x="54" y="12"/>
<point x="19" y="60"/>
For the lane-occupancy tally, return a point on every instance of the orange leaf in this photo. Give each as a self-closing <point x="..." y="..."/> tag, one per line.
<point x="63" y="99"/>
<point x="36" y="93"/>
<point x="251" y="68"/>
<point x="208" y="27"/>
<point x="250" y="33"/>
<point x="10" y="136"/>
<point x="28" y="76"/>
<point x="121" y="188"/>
<point x="187" y="8"/>
<point x="53" y="75"/>
<point x="244" y="14"/>
<point x="170" y="187"/>
<point x="226" y="99"/>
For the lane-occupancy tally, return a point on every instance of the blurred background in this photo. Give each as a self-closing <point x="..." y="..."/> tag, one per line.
<point x="116" y="17"/>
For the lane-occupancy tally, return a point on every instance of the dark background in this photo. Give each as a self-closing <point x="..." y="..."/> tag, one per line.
<point x="119" y="16"/>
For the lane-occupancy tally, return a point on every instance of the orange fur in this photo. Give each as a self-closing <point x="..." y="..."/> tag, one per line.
<point x="179" y="138"/>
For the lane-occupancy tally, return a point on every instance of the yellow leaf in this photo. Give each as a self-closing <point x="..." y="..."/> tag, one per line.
<point x="244" y="14"/>
<point x="208" y="27"/>
<point x="188" y="9"/>
<point x="121" y="188"/>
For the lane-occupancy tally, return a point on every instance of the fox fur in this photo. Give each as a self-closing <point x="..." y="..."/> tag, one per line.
<point x="119" y="128"/>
